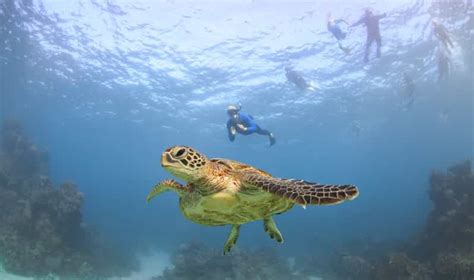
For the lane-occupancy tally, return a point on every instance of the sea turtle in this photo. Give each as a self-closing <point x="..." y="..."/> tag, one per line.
<point x="226" y="192"/>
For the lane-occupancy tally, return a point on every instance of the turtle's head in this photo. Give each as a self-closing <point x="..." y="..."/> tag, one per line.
<point x="183" y="162"/>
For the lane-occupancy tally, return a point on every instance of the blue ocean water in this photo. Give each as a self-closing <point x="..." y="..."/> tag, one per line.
<point x="106" y="86"/>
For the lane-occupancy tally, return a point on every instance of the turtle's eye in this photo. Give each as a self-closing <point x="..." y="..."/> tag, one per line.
<point x="180" y="152"/>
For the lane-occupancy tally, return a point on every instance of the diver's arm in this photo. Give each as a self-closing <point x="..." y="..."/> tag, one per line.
<point x="337" y="21"/>
<point x="241" y="127"/>
<point x="230" y="131"/>
<point x="381" y="16"/>
<point x="359" y="22"/>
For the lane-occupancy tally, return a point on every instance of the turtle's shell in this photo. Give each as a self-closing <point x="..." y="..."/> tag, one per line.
<point x="230" y="201"/>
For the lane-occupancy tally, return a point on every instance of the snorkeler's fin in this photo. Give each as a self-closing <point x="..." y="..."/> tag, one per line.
<point x="272" y="139"/>
<point x="345" y="49"/>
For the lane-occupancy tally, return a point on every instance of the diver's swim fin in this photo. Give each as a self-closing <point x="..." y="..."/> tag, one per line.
<point x="272" y="139"/>
<point x="345" y="49"/>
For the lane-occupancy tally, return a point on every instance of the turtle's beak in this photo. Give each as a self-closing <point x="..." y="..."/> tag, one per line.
<point x="166" y="159"/>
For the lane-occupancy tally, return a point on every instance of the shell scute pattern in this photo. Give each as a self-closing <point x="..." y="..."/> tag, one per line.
<point x="304" y="192"/>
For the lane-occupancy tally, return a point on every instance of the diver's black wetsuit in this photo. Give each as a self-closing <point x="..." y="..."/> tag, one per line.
<point x="296" y="78"/>
<point x="371" y="21"/>
<point x="444" y="65"/>
<point x="335" y="29"/>
<point x="442" y="34"/>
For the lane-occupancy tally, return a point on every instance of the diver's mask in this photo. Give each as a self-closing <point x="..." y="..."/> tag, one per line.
<point x="233" y="111"/>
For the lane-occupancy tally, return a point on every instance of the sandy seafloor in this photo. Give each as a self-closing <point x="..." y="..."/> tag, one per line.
<point x="150" y="266"/>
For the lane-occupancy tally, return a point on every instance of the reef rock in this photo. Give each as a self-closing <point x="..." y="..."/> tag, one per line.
<point x="196" y="262"/>
<point x="444" y="249"/>
<point x="40" y="225"/>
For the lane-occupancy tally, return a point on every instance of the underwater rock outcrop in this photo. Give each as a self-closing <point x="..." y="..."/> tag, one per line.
<point x="443" y="250"/>
<point x="195" y="261"/>
<point x="41" y="227"/>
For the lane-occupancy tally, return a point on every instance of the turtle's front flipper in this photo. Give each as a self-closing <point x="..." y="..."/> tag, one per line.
<point x="232" y="239"/>
<point x="272" y="230"/>
<point x="166" y="185"/>
<point x="302" y="192"/>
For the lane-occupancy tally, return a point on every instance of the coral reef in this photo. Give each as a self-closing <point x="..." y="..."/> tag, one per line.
<point x="450" y="226"/>
<point x="398" y="266"/>
<point x="41" y="228"/>
<point x="197" y="262"/>
<point x="444" y="249"/>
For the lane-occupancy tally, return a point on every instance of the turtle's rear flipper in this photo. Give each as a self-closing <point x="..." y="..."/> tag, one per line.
<point x="271" y="229"/>
<point x="232" y="239"/>
<point x="303" y="192"/>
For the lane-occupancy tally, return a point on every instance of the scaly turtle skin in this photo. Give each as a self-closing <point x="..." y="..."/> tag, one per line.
<point x="225" y="192"/>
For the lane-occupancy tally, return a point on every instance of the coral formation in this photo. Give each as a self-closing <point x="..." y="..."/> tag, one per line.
<point x="197" y="262"/>
<point x="444" y="249"/>
<point x="41" y="228"/>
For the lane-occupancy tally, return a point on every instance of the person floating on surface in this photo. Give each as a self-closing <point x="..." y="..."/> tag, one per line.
<point x="334" y="27"/>
<point x="297" y="79"/>
<point x="244" y="124"/>
<point x="442" y="34"/>
<point x="371" y="21"/>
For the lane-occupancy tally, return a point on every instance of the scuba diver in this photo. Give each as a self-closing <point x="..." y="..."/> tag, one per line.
<point x="297" y="79"/>
<point x="244" y="124"/>
<point x="442" y="34"/>
<point x="371" y="21"/>
<point x="335" y="29"/>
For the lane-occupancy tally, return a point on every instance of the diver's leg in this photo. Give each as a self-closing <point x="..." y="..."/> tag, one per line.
<point x="343" y="35"/>
<point x="270" y="135"/>
<point x="345" y="49"/>
<point x="231" y="131"/>
<point x="441" y="70"/>
<point x="367" y="48"/>
<point x="262" y="131"/>
<point x="448" y="41"/>
<point x="378" y="40"/>
<point x="232" y="239"/>
<point x="270" y="227"/>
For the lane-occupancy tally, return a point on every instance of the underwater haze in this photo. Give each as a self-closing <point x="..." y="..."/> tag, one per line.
<point x="92" y="92"/>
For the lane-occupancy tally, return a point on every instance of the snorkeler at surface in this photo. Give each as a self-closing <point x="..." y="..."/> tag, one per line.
<point x="297" y="79"/>
<point x="442" y="34"/>
<point x="244" y="124"/>
<point x="371" y="21"/>
<point x="334" y="27"/>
